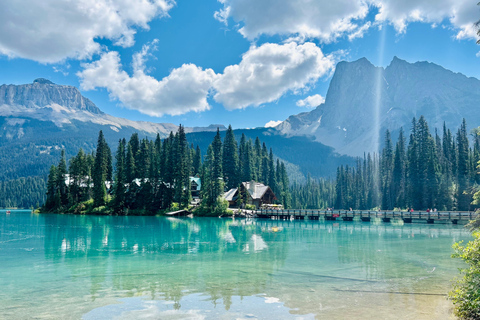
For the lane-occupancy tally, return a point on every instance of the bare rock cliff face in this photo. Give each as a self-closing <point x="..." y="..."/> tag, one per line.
<point x="42" y="93"/>
<point x="363" y="101"/>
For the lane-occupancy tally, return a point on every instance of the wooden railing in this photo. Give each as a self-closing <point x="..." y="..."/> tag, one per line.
<point x="365" y="215"/>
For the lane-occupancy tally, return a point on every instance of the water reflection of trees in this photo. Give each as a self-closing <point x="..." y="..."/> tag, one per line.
<point x="166" y="257"/>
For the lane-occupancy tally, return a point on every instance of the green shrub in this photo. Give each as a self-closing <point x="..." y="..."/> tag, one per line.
<point x="220" y="209"/>
<point x="77" y="208"/>
<point x="98" y="210"/>
<point x="474" y="224"/>
<point x="250" y="207"/>
<point x="466" y="290"/>
<point x="174" y="206"/>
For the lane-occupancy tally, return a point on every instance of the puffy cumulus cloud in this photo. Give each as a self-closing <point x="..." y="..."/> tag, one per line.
<point x="272" y="123"/>
<point x="462" y="14"/>
<point x="185" y="89"/>
<point x="323" y="19"/>
<point x="311" y="101"/>
<point x="50" y="31"/>
<point x="269" y="71"/>
<point x="328" y="20"/>
<point x="264" y="75"/>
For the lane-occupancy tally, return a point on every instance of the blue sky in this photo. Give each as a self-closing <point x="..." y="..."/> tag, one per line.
<point x="239" y="62"/>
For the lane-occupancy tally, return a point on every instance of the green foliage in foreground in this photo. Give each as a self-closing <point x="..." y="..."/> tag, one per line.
<point x="466" y="290"/>
<point x="474" y="224"/>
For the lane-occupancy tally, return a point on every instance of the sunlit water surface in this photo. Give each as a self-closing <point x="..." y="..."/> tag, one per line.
<point x="92" y="267"/>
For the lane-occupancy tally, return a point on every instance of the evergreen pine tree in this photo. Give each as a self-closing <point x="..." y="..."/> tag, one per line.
<point x="399" y="172"/>
<point x="386" y="173"/>
<point x="217" y="170"/>
<point x="79" y="173"/>
<point x="230" y="160"/>
<point x="463" y="197"/>
<point x="120" y="178"/>
<point x="271" y="175"/>
<point x="51" y="189"/>
<point x="100" y="171"/>
<point x="197" y="161"/>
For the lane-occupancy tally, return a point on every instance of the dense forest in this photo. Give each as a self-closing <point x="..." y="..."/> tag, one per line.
<point x="146" y="176"/>
<point x="422" y="172"/>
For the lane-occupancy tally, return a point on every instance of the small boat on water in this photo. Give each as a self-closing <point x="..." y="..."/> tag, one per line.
<point x="8" y="211"/>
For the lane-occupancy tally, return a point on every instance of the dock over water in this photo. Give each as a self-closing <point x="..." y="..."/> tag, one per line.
<point x="179" y="213"/>
<point x="367" y="215"/>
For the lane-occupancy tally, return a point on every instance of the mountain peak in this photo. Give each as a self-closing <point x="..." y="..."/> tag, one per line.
<point x="42" y="81"/>
<point x="397" y="60"/>
<point x="360" y="62"/>
<point x="43" y="93"/>
<point x="360" y="94"/>
<point x="363" y="60"/>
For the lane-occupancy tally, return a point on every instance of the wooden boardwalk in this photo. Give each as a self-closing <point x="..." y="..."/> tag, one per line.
<point x="366" y="215"/>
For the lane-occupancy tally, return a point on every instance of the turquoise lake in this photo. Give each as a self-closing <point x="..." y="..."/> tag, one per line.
<point x="96" y="267"/>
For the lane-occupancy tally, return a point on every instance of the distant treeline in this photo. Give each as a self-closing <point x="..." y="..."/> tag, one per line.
<point x="22" y="192"/>
<point x="428" y="171"/>
<point x="151" y="175"/>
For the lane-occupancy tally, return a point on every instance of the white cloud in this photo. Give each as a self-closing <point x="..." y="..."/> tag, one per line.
<point x="328" y="20"/>
<point x="462" y="14"/>
<point x="311" y="101"/>
<point x="222" y="15"/>
<point x="264" y="75"/>
<point x="272" y="123"/>
<point x="269" y="71"/>
<point x="360" y="31"/>
<point x="185" y="89"/>
<point x="50" y="31"/>
<point x="325" y="19"/>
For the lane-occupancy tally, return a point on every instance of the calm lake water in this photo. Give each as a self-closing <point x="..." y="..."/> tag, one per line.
<point x="95" y="267"/>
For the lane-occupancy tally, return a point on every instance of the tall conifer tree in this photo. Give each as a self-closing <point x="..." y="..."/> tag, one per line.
<point x="230" y="160"/>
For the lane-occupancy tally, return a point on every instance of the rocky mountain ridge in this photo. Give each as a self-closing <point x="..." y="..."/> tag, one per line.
<point x="43" y="93"/>
<point x="45" y="101"/>
<point x="364" y="100"/>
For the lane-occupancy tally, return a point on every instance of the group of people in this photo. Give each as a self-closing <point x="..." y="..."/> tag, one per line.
<point x="428" y="210"/>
